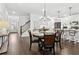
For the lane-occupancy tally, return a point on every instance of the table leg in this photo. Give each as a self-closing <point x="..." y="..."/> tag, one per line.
<point x="1" y="43"/>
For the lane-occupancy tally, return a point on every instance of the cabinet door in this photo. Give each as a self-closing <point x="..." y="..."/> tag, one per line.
<point x="57" y="25"/>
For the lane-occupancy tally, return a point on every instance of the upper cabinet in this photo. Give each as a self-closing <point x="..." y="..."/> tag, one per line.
<point x="57" y="25"/>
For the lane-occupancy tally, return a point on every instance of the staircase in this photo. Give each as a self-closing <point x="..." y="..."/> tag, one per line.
<point x="24" y="28"/>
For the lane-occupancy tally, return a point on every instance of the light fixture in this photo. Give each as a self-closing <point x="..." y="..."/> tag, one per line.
<point x="45" y="17"/>
<point x="70" y="8"/>
<point x="58" y="13"/>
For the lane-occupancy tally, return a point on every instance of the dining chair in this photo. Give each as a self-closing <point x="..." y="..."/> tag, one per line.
<point x="32" y="39"/>
<point x="58" y="38"/>
<point x="48" y="43"/>
<point x="72" y="33"/>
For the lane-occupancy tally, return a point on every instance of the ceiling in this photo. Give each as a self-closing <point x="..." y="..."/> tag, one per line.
<point x="36" y="8"/>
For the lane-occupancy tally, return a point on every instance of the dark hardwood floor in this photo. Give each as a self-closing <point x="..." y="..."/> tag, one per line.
<point x="20" y="46"/>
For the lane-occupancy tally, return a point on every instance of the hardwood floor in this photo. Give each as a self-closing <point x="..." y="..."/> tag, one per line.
<point x="20" y="46"/>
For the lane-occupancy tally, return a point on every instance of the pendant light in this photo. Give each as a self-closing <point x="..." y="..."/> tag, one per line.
<point x="70" y="8"/>
<point x="58" y="13"/>
<point x="45" y="17"/>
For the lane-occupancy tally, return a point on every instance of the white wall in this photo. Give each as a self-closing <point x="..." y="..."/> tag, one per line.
<point x="34" y="21"/>
<point x="23" y="19"/>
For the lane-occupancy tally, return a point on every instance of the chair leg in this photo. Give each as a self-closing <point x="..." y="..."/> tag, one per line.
<point x="60" y="44"/>
<point x="57" y="44"/>
<point x="50" y="49"/>
<point x="30" y="46"/>
<point x="53" y="50"/>
<point x="38" y="46"/>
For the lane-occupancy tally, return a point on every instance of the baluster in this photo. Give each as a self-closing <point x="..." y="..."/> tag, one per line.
<point x="20" y="30"/>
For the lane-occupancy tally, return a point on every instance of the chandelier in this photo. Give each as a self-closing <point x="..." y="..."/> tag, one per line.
<point x="44" y="17"/>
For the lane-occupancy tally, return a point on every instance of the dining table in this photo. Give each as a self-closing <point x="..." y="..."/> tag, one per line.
<point x="40" y="34"/>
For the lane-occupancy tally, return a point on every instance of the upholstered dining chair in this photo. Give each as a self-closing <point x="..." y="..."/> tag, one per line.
<point x="72" y="33"/>
<point x="58" y="38"/>
<point x="32" y="39"/>
<point x="48" y="43"/>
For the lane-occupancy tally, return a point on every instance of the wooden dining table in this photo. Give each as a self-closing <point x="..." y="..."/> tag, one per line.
<point x="41" y="34"/>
